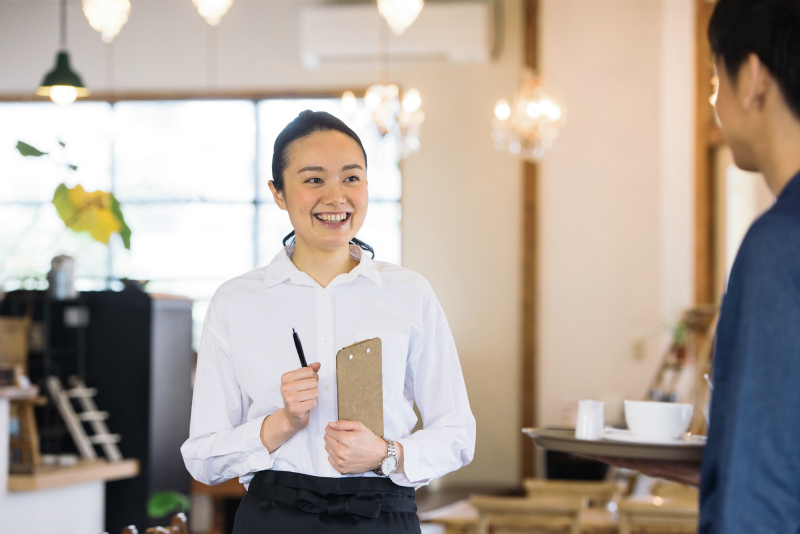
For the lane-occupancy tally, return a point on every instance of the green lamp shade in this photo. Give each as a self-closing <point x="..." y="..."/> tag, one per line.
<point x="62" y="75"/>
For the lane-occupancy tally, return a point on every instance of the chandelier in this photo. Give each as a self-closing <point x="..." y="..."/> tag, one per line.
<point x="391" y="113"/>
<point x="400" y="14"/>
<point x="530" y="124"/>
<point x="107" y="16"/>
<point x="212" y="10"/>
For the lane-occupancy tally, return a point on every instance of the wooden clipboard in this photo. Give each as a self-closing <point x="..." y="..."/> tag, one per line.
<point x="359" y="380"/>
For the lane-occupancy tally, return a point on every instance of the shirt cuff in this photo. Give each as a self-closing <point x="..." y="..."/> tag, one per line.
<point x="412" y="477"/>
<point x="257" y="457"/>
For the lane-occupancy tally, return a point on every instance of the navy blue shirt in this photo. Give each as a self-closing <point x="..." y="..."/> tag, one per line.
<point x="751" y="468"/>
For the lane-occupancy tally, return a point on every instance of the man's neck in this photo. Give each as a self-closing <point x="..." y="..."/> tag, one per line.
<point x="781" y="161"/>
<point x="322" y="265"/>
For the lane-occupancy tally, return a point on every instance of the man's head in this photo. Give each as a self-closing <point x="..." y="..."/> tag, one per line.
<point x="756" y="45"/>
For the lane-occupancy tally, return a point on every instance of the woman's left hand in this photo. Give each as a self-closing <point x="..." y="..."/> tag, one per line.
<point x="353" y="448"/>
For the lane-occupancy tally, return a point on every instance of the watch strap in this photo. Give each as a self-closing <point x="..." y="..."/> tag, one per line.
<point x="390" y="452"/>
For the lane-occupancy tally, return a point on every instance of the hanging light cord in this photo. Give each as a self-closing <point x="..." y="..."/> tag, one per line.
<point x="63" y="24"/>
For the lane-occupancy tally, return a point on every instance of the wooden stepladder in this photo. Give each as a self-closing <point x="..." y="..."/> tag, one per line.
<point x="88" y="413"/>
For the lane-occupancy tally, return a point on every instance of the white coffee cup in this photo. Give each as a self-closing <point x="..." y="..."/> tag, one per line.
<point x="657" y="421"/>
<point x="589" y="423"/>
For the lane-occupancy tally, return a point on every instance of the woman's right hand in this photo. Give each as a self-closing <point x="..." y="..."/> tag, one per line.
<point x="299" y="391"/>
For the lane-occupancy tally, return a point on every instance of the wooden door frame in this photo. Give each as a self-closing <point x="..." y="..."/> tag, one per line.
<point x="708" y="138"/>
<point x="530" y="263"/>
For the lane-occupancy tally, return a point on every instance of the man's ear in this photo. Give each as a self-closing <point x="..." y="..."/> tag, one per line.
<point x="277" y="195"/>
<point x="755" y="81"/>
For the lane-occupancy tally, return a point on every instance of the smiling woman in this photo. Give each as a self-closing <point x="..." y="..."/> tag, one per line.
<point x="256" y="416"/>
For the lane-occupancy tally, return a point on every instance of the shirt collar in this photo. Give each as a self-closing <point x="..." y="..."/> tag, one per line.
<point x="281" y="269"/>
<point x="791" y="189"/>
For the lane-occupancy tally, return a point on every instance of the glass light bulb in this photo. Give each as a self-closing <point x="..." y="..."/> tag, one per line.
<point x="212" y="10"/>
<point x="400" y="14"/>
<point x="107" y="16"/>
<point x="533" y="110"/>
<point x="502" y="110"/>
<point x="412" y="100"/>
<point x="63" y="94"/>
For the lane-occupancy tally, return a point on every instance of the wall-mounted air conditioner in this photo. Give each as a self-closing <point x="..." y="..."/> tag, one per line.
<point x="352" y="35"/>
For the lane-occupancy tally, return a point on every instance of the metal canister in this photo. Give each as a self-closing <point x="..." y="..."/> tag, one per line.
<point x="62" y="278"/>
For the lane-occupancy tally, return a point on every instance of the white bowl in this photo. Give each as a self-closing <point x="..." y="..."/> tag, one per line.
<point x="657" y="420"/>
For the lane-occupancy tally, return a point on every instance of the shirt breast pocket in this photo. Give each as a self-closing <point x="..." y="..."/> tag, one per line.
<point x="394" y="355"/>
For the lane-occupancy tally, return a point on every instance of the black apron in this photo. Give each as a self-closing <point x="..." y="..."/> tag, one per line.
<point x="285" y="503"/>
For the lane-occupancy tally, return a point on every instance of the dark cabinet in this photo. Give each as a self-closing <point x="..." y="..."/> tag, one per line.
<point x="136" y="350"/>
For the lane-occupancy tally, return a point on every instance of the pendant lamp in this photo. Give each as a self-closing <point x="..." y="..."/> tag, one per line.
<point x="62" y="84"/>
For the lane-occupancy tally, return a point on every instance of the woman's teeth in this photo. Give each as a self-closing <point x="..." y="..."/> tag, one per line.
<point x="331" y="218"/>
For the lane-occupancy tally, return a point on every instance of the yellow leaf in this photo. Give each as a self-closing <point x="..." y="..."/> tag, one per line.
<point x="90" y="211"/>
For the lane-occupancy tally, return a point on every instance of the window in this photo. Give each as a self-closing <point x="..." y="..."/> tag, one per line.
<point x="191" y="177"/>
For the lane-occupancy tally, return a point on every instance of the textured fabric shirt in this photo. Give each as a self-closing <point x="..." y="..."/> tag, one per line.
<point x="751" y="467"/>
<point x="247" y="344"/>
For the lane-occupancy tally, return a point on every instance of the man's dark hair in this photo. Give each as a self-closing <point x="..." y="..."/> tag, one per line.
<point x="768" y="28"/>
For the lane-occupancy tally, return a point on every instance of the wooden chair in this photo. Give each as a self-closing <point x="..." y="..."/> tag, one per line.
<point x="657" y="515"/>
<point x="675" y="491"/>
<point x="595" y="518"/>
<point x="178" y="525"/>
<point x="511" y="515"/>
<point x="600" y="492"/>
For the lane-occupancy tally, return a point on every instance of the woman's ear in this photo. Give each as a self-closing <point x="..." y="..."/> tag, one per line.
<point x="277" y="195"/>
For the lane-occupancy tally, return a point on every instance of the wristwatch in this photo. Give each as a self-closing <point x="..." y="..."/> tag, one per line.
<point x="389" y="463"/>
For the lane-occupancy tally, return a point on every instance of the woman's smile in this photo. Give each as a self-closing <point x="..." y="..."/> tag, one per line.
<point x="333" y="219"/>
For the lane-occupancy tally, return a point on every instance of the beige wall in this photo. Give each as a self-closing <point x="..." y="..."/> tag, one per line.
<point x="461" y="207"/>
<point x="616" y="196"/>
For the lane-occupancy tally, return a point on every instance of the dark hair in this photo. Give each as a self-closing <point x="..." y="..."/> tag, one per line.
<point x="768" y="28"/>
<point x="307" y="123"/>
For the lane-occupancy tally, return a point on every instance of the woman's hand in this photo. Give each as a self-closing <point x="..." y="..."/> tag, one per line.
<point x="353" y="448"/>
<point x="299" y="391"/>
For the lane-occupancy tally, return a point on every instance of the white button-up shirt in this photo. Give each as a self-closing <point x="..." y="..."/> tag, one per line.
<point x="247" y="345"/>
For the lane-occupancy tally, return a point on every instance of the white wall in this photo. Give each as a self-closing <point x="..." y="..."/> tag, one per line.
<point x="616" y="196"/>
<point x="461" y="206"/>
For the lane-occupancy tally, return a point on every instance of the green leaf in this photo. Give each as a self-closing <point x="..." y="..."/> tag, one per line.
<point x="27" y="150"/>
<point x="73" y="167"/>
<point x="60" y="142"/>
<point x="166" y="502"/>
<point x="125" y="231"/>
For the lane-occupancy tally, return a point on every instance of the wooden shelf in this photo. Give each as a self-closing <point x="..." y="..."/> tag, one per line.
<point x="18" y="393"/>
<point x="86" y="471"/>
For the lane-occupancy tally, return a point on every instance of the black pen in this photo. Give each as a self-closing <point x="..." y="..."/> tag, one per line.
<point x="299" y="348"/>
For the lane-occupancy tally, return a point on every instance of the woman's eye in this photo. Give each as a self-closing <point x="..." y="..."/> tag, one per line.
<point x="314" y="181"/>
<point x="352" y="179"/>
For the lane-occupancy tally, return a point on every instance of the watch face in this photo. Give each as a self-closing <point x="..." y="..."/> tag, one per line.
<point x="389" y="465"/>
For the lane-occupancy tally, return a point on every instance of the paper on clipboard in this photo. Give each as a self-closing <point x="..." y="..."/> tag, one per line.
<point x="359" y="380"/>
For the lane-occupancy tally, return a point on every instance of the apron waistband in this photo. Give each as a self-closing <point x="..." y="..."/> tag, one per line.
<point x="339" y="496"/>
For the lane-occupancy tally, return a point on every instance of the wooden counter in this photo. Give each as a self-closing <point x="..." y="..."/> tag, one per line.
<point x="47" y="477"/>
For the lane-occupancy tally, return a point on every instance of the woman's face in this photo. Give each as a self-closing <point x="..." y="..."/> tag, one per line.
<point x="325" y="189"/>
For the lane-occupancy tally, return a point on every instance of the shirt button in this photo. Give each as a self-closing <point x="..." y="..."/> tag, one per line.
<point x="325" y="339"/>
<point x="326" y="387"/>
<point x="324" y="293"/>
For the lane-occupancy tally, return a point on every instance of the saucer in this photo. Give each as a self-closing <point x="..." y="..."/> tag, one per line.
<point x="616" y="434"/>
